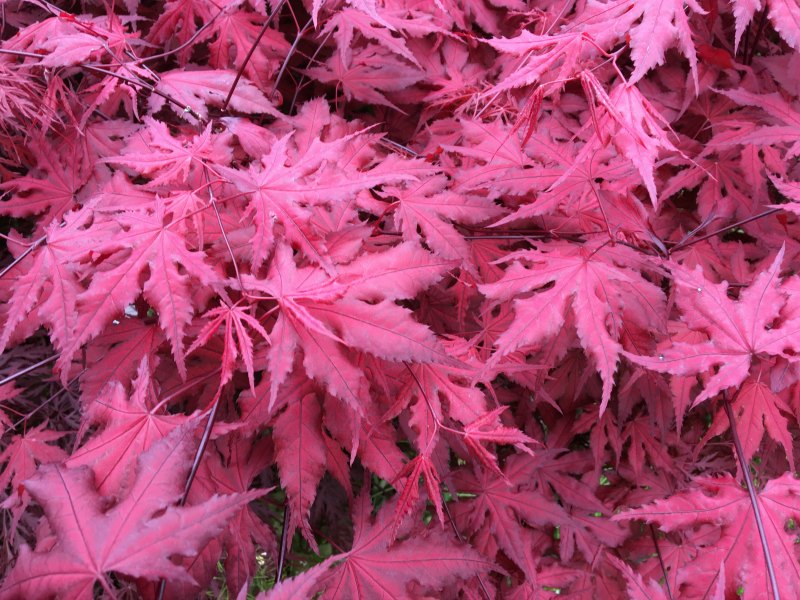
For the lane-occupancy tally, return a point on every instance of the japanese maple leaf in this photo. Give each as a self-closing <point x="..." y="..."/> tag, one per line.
<point x="50" y="188"/>
<point x="25" y="452"/>
<point x="167" y="160"/>
<point x="117" y="353"/>
<point x="663" y="24"/>
<point x="492" y="154"/>
<point x="597" y="285"/>
<point x="498" y="506"/>
<point x="637" y="588"/>
<point x="46" y="285"/>
<point x="317" y="316"/>
<point x="197" y="90"/>
<point x="757" y="410"/>
<point x="785" y="17"/>
<point x="743" y="11"/>
<point x="722" y="502"/>
<point x="399" y="273"/>
<point x="177" y="23"/>
<point x="130" y="427"/>
<point x="62" y="41"/>
<point x="740" y="333"/>
<point x="632" y="123"/>
<point x="347" y="20"/>
<point x="790" y="189"/>
<point x="781" y="122"/>
<point x="136" y="537"/>
<point x="230" y="467"/>
<point x="374" y="567"/>
<point x="428" y="206"/>
<point x="234" y="319"/>
<point x="366" y="74"/>
<point x="540" y="56"/>
<point x="276" y="197"/>
<point x="146" y="242"/>
<point x="488" y="428"/>
<point x="299" y="586"/>
<point x="421" y="466"/>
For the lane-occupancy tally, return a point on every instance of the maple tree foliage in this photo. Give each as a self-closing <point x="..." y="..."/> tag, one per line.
<point x="397" y="299"/>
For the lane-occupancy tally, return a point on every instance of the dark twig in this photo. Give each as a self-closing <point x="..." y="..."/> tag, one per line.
<point x="660" y="560"/>
<point x="463" y="541"/>
<point x="685" y="243"/>
<point x="289" y="54"/>
<point x="198" y="456"/>
<point x="250" y="54"/>
<point x="748" y="60"/>
<point x="28" y="250"/>
<point x="27" y="370"/>
<point x="213" y="201"/>
<point x="150" y="88"/>
<point x="284" y="543"/>
<point x="751" y="490"/>
<point x="212" y="417"/>
<point x="48" y="401"/>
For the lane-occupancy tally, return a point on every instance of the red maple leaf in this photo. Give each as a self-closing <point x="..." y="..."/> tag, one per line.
<point x="722" y="502"/>
<point x="136" y="537"/>
<point x="598" y="285"/>
<point x="742" y="335"/>
<point x="376" y="567"/>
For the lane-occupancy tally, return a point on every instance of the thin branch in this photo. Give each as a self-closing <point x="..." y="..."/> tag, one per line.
<point x="463" y="541"/>
<point x="751" y="490"/>
<point x="150" y="88"/>
<point x="284" y="543"/>
<point x="198" y="456"/>
<point x="27" y="370"/>
<point x="289" y="54"/>
<point x="685" y="244"/>
<point x="17" y="260"/>
<point x="660" y="560"/>
<point x="48" y="401"/>
<point x="222" y="228"/>
<point x="250" y="54"/>
<point x="212" y="417"/>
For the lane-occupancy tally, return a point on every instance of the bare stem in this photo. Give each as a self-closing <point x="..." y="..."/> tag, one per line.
<point x="685" y="243"/>
<point x="660" y="560"/>
<point x="27" y="370"/>
<point x="751" y="490"/>
<point x="463" y="541"/>
<point x="284" y="543"/>
<point x="27" y="251"/>
<point x="198" y="456"/>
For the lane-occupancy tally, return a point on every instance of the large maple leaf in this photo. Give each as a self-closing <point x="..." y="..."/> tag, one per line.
<point x="130" y="427"/>
<point x="602" y="288"/>
<point x="741" y="332"/>
<point x="46" y="286"/>
<point x="374" y="567"/>
<point x="317" y="315"/>
<point x="136" y="537"/>
<point x="148" y="242"/>
<point x="722" y="502"/>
